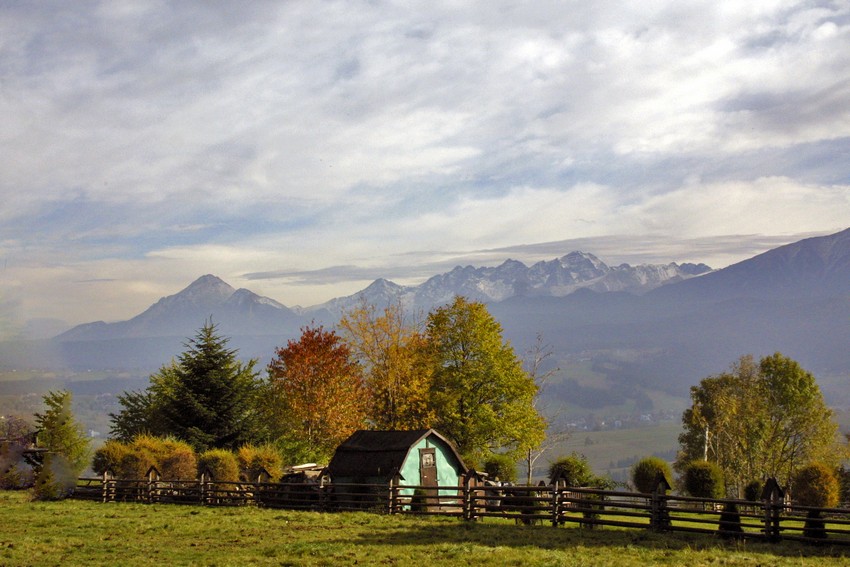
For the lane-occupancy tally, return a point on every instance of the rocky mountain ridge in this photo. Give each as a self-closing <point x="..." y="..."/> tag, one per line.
<point x="554" y="278"/>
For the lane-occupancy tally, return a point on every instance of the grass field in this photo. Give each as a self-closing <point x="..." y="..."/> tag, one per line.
<point x="83" y="533"/>
<point x="604" y="447"/>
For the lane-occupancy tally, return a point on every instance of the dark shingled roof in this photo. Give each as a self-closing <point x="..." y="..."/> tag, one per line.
<point x="378" y="453"/>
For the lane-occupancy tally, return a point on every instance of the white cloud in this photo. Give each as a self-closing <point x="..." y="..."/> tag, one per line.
<point x="147" y="143"/>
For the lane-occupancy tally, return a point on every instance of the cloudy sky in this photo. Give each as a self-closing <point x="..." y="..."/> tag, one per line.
<point x="302" y="149"/>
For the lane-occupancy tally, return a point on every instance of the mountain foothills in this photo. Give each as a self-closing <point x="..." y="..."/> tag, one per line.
<point x="622" y="335"/>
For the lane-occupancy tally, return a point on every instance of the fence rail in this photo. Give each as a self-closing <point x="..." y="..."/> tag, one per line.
<point x="771" y="519"/>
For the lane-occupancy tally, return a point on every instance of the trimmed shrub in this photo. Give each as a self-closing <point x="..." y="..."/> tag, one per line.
<point x="174" y="459"/>
<point x="704" y="479"/>
<point x="252" y="459"/>
<point x="574" y="470"/>
<point x="221" y="463"/>
<point x="178" y="461"/>
<point x="645" y="472"/>
<point x="150" y="443"/>
<point x="109" y="457"/>
<point x="816" y="485"/>
<point x="135" y="464"/>
<point x="502" y="467"/>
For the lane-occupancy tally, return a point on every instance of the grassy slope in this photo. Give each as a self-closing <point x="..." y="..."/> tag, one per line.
<point x="603" y="447"/>
<point x="74" y="533"/>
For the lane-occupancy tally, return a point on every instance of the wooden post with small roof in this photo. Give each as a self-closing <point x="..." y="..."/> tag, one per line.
<point x="659" y="519"/>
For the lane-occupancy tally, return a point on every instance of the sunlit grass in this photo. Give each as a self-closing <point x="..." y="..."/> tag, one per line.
<point x="76" y="533"/>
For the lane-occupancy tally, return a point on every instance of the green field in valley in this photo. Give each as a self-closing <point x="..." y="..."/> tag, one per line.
<point x="611" y="452"/>
<point x="86" y="533"/>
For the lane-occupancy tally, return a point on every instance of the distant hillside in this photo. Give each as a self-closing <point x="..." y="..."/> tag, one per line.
<point x="623" y="336"/>
<point x="812" y="268"/>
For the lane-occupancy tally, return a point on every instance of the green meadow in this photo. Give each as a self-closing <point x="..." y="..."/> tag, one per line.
<point x="86" y="533"/>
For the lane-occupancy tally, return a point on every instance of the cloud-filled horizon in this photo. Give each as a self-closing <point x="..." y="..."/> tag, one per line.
<point x="302" y="149"/>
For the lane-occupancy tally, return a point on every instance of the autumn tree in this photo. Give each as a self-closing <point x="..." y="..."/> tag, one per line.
<point x="315" y="395"/>
<point x="207" y="397"/>
<point x="759" y="421"/>
<point x="391" y="348"/>
<point x="481" y="396"/>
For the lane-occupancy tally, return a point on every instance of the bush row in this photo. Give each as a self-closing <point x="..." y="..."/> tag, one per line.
<point x="176" y="460"/>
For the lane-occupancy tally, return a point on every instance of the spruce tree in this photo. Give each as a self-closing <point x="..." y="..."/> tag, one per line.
<point x="207" y="397"/>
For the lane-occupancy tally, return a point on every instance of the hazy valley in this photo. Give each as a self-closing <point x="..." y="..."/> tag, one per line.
<point x="628" y="341"/>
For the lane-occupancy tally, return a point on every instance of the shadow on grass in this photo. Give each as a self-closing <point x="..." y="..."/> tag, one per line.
<point x="563" y="538"/>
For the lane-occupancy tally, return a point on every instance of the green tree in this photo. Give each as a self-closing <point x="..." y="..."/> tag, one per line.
<point x="801" y="428"/>
<point x="759" y="421"/>
<point x="391" y="349"/>
<point x="315" y="397"/>
<point x="59" y="432"/>
<point x="139" y="415"/>
<point x="207" y="397"/>
<point x="482" y="398"/>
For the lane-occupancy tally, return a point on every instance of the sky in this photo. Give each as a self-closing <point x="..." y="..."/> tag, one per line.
<point x="303" y="149"/>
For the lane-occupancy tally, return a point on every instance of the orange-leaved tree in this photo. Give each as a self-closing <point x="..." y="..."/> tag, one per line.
<point x="392" y="349"/>
<point x="316" y="395"/>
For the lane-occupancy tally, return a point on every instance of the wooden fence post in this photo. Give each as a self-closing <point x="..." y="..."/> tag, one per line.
<point x="324" y="493"/>
<point x="556" y="504"/>
<point x="392" y="501"/>
<point x="659" y="519"/>
<point x="153" y="480"/>
<point x="202" y="485"/>
<point x="470" y="481"/>
<point x="106" y="491"/>
<point x="773" y="502"/>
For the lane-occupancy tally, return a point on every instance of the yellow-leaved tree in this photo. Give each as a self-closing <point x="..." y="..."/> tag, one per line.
<point x="391" y="348"/>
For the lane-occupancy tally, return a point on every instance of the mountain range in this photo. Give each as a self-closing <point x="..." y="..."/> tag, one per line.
<point x="555" y="278"/>
<point x="241" y="312"/>
<point x="236" y="311"/>
<point x="622" y="334"/>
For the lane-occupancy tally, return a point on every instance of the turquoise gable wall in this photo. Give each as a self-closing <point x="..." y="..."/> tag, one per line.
<point x="448" y="473"/>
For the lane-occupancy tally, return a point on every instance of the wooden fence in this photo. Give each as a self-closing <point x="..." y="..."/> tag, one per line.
<point x="771" y="519"/>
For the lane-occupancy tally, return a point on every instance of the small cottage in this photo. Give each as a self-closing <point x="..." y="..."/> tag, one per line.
<point x="421" y="457"/>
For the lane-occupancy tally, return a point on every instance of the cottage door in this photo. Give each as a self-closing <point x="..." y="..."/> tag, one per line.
<point x="428" y="476"/>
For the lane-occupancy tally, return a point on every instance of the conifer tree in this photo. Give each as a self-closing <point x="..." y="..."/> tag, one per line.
<point x="207" y="397"/>
<point x="59" y="432"/>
